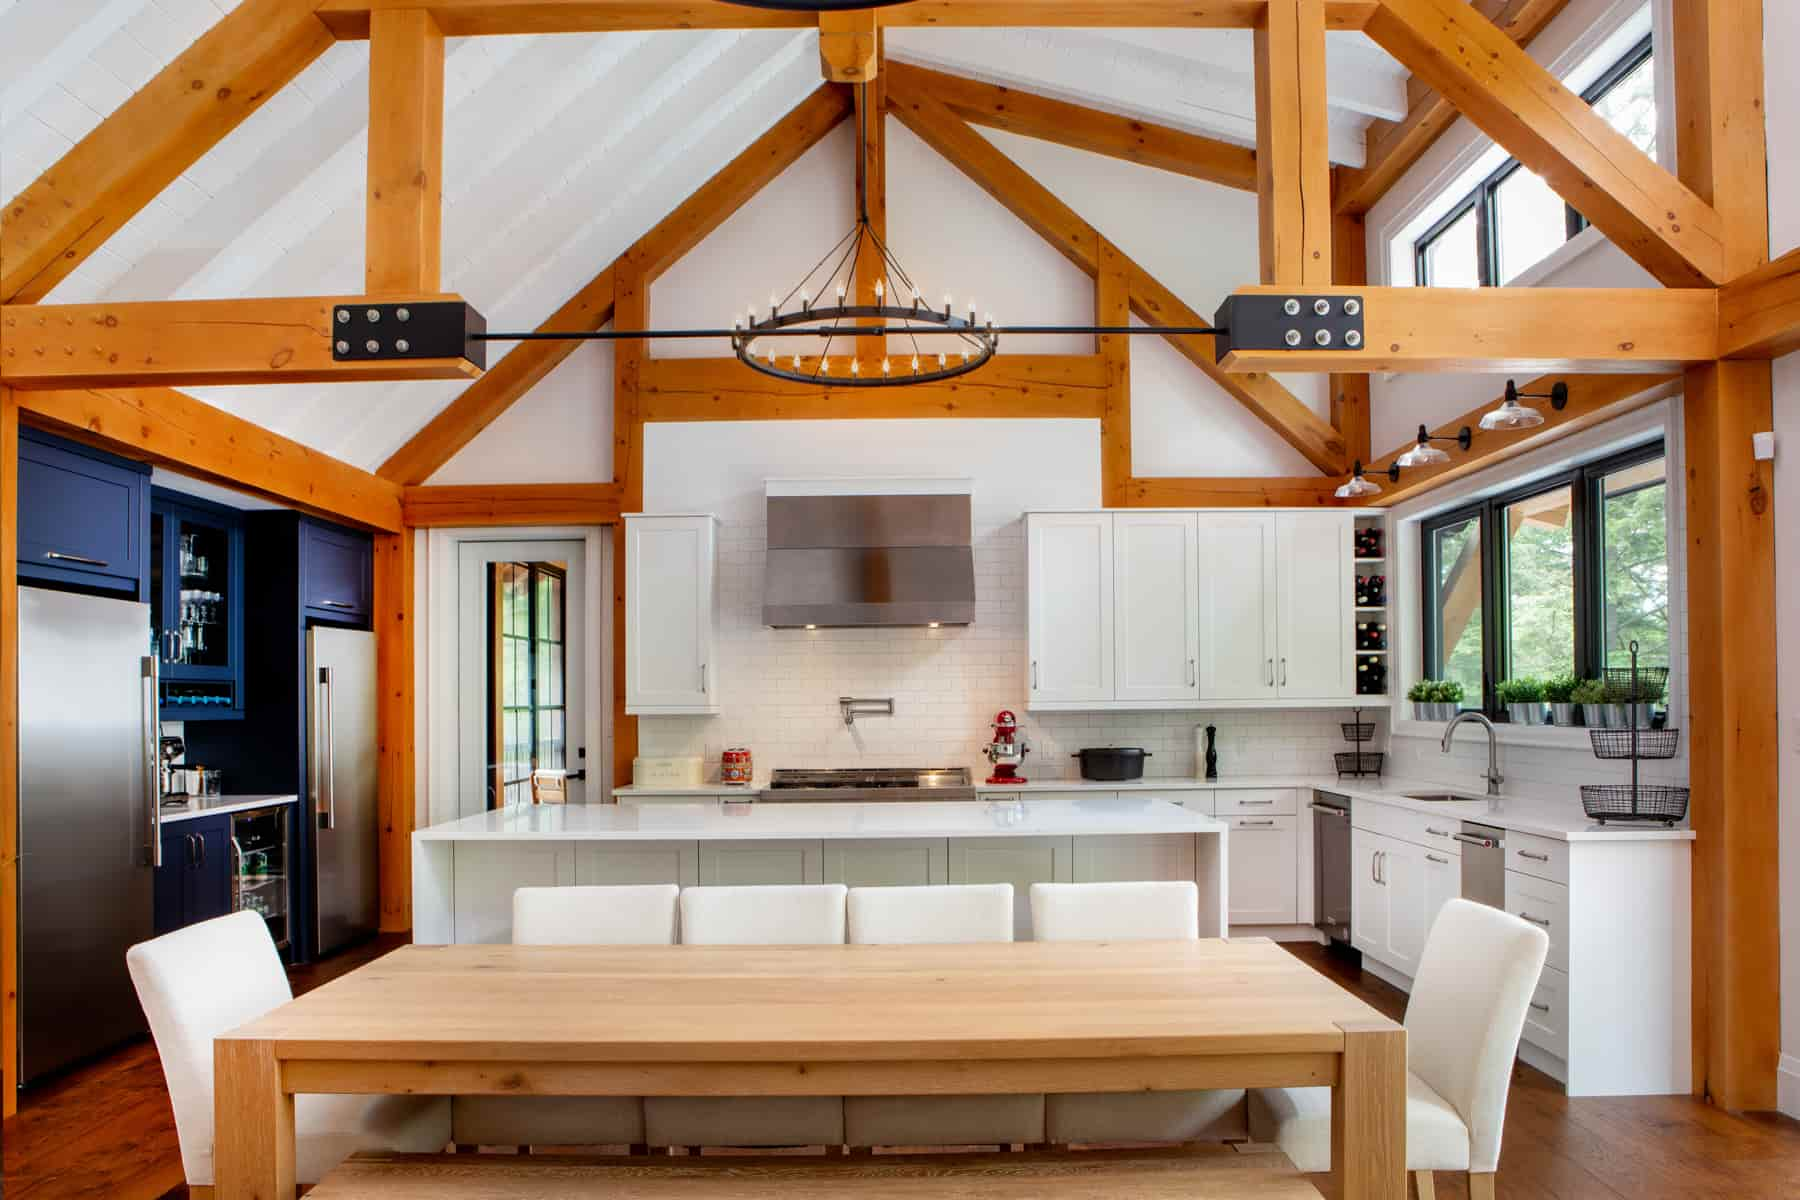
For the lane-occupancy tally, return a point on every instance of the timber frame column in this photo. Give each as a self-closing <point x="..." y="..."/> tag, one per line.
<point x="1731" y="585"/>
<point x="631" y="310"/>
<point x="9" y="753"/>
<point x="1293" y="164"/>
<point x="1112" y="306"/>
<point x="871" y="185"/>
<point x="404" y="236"/>
<point x="1350" y="392"/>
<point x="394" y="716"/>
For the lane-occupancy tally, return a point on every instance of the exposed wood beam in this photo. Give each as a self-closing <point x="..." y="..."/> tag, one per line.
<point x="1512" y="329"/>
<point x="1655" y="218"/>
<point x="1759" y="313"/>
<point x="1112" y="306"/>
<point x="592" y="307"/>
<point x="175" y="430"/>
<point x="1273" y="492"/>
<point x="847" y="45"/>
<point x="1079" y="242"/>
<point x="167" y="343"/>
<point x="1392" y="147"/>
<point x="629" y="360"/>
<point x="1082" y="128"/>
<point x="467" y="18"/>
<point x="403" y="244"/>
<point x="1720" y="144"/>
<point x="871" y="183"/>
<point x="394" y="715"/>
<point x="511" y="504"/>
<point x="9" y="753"/>
<point x="1293" y="137"/>
<point x="52" y="226"/>
<point x="1013" y="385"/>
<point x="1592" y="400"/>
<point x="1350" y="390"/>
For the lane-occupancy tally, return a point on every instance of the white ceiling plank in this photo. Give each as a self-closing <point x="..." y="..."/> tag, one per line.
<point x="1360" y="76"/>
<point x="43" y="41"/>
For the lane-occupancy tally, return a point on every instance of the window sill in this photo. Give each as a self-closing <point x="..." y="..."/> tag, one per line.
<point x="1553" y="737"/>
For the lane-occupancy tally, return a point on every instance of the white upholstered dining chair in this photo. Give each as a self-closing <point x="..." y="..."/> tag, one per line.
<point x="914" y="916"/>
<point x="210" y="978"/>
<point x="571" y="916"/>
<point x="1130" y="912"/>
<point x="776" y="915"/>
<point x="1463" y="1023"/>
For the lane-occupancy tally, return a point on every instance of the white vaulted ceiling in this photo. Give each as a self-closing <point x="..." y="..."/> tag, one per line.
<point x="559" y="152"/>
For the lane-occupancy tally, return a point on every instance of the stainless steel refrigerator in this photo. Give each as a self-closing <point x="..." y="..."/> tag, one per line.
<point x="340" y="785"/>
<point x="87" y="822"/>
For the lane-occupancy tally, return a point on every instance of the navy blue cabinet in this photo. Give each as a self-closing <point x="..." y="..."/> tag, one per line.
<point x="194" y="882"/>
<point x="197" y="606"/>
<point x="337" y="573"/>
<point x="84" y="516"/>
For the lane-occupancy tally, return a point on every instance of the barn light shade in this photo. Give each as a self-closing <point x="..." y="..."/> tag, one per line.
<point x="1359" y="485"/>
<point x="1424" y="454"/>
<point x="1513" y="415"/>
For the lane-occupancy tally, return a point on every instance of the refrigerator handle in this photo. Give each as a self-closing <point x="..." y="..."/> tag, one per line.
<point x="152" y="768"/>
<point x="327" y="795"/>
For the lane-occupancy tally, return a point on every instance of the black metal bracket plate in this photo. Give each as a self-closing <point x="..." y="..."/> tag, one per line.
<point x="373" y="331"/>
<point x="1271" y="321"/>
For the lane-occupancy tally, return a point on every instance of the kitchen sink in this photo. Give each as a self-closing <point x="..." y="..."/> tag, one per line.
<point x="1443" y="797"/>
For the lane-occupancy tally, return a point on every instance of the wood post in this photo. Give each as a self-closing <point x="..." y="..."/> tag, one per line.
<point x="871" y="182"/>
<point x="848" y="45"/>
<point x="1293" y="138"/>
<point x="9" y="753"/>
<point x="1368" y="1114"/>
<point x="1350" y="390"/>
<point x="253" y="1122"/>
<point x="632" y="312"/>
<point x="394" y="714"/>
<point x="403" y="245"/>
<point x="1112" y="306"/>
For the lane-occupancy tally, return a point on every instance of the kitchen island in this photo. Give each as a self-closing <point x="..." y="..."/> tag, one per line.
<point x="465" y="871"/>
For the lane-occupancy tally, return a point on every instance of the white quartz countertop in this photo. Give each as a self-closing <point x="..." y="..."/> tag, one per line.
<point x="211" y="806"/>
<point x="705" y="789"/>
<point x="704" y="821"/>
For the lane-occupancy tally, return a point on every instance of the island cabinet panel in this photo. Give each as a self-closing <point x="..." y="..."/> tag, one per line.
<point x="888" y="862"/>
<point x="1020" y="861"/>
<point x="736" y="864"/>
<point x="611" y="864"/>
<point x="1134" y="858"/>
<point x="1265" y="872"/>
<point x="487" y="874"/>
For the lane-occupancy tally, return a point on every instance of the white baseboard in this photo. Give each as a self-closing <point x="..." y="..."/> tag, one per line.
<point x="1787" y="1085"/>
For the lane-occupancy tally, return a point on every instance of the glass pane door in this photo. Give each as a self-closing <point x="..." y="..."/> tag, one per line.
<point x="203" y="579"/>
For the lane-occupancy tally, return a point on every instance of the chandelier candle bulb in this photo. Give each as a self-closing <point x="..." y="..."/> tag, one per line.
<point x="887" y="367"/>
<point x="856" y="366"/>
<point x="949" y="303"/>
<point x="805" y="302"/>
<point x="879" y="291"/>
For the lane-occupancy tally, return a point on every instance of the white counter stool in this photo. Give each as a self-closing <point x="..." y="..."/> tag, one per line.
<point x="1130" y="912"/>
<point x="571" y="916"/>
<point x="792" y="915"/>
<point x="915" y="916"/>
<point x="1463" y="1023"/>
<point x="208" y="979"/>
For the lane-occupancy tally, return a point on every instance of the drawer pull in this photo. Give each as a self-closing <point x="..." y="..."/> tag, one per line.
<point x="1434" y="858"/>
<point x="1247" y="803"/>
<point x="1543" y="858"/>
<point x="59" y="556"/>
<point x="1242" y="823"/>
<point x="1543" y="1008"/>
<point x="1535" y="920"/>
<point x="1437" y="832"/>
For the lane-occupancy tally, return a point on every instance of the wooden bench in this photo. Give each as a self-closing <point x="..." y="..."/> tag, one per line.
<point x="1178" y="1173"/>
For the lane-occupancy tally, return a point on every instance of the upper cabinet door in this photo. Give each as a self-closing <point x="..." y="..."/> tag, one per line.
<point x="1237" y="587"/>
<point x="1317" y="606"/>
<point x="1069" y="564"/>
<point x="337" y="573"/>
<point x="83" y="517"/>
<point x="1156" y="586"/>
<point x="671" y="615"/>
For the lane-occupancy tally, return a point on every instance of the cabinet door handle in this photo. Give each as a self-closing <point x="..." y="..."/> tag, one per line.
<point x="59" y="556"/>
<point x="1540" y="1007"/>
<point x="702" y="678"/>
<point x="1190" y="674"/>
<point x="1383" y="854"/>
<point x="1535" y="920"/>
<point x="1284" y="672"/>
<point x="200" y="850"/>
<point x="193" y="856"/>
<point x="1271" y="672"/>
<point x="1543" y="858"/>
<point x="333" y="604"/>
<point x="1034" y="675"/>
<point x="1434" y="858"/>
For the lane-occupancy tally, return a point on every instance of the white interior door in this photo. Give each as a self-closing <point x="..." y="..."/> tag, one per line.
<point x="1156" y="606"/>
<point x="1237" y="606"/>
<point x="474" y="711"/>
<point x="1317" y="606"/>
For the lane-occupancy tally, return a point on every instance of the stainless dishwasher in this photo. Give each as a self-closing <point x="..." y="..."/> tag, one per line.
<point x="1483" y="864"/>
<point x="1331" y="865"/>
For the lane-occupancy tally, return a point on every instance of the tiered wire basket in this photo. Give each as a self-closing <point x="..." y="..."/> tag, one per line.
<point x="1359" y="762"/>
<point x="1637" y="687"/>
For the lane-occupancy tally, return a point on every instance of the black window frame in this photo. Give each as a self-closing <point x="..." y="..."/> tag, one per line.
<point x="1586" y="482"/>
<point x="1484" y="198"/>
<point x="534" y="571"/>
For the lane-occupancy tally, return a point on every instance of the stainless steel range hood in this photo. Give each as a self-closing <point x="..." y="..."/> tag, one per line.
<point x="847" y="553"/>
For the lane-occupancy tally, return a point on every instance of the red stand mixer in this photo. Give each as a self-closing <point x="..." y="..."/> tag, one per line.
<point x="1007" y="751"/>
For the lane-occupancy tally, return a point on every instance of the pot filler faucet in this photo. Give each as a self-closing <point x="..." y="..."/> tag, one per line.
<point x="1494" y="778"/>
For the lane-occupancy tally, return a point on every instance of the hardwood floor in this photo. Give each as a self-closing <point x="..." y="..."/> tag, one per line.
<point x="106" y="1130"/>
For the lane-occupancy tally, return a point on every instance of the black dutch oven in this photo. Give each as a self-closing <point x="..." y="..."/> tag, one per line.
<point x="1112" y="764"/>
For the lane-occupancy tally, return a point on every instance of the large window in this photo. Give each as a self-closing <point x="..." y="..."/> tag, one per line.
<point x="1561" y="576"/>
<point x="1512" y="219"/>
<point x="529" y="715"/>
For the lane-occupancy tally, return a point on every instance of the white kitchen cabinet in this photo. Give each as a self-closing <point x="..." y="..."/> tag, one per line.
<point x="1069" y="585"/>
<point x="612" y="864"/>
<point x="1316" y="608"/>
<point x="1265" y="870"/>
<point x="1545" y="905"/>
<point x="1020" y="861"/>
<point x="1443" y="883"/>
<point x="671" y="616"/>
<point x="887" y="862"/>
<point x="1126" y="859"/>
<point x="1368" y="898"/>
<point x="737" y="864"/>
<point x="1156" y="583"/>
<point x="1238" y="644"/>
<point x="1403" y="878"/>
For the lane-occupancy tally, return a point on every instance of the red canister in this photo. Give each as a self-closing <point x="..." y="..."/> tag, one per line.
<point x="735" y="767"/>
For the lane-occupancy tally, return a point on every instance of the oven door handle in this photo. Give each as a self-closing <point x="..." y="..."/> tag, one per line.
<point x="1330" y="811"/>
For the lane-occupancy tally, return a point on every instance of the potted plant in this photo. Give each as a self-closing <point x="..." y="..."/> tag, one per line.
<point x="1590" y="694"/>
<point x="1524" y="699"/>
<point x="1559" y="692"/>
<point x="1435" y="699"/>
<point x="1650" y="693"/>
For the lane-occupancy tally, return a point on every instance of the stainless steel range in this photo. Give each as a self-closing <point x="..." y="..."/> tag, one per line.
<point x="790" y="786"/>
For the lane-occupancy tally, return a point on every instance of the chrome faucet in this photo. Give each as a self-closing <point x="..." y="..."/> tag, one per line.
<point x="1494" y="778"/>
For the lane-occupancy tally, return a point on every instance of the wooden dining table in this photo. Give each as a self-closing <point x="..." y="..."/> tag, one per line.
<point x="1023" y="1017"/>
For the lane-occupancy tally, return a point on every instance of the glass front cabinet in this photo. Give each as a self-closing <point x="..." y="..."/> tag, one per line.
<point x="197" y="606"/>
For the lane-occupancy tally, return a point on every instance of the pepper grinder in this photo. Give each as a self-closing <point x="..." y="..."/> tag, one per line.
<point x="1212" y="753"/>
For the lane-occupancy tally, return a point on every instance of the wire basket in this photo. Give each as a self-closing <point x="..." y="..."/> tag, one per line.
<point x="1358" y="731"/>
<point x="1636" y="685"/>
<point x="1359" y="762"/>
<point x="1605" y="802"/>
<point x="1635" y="743"/>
